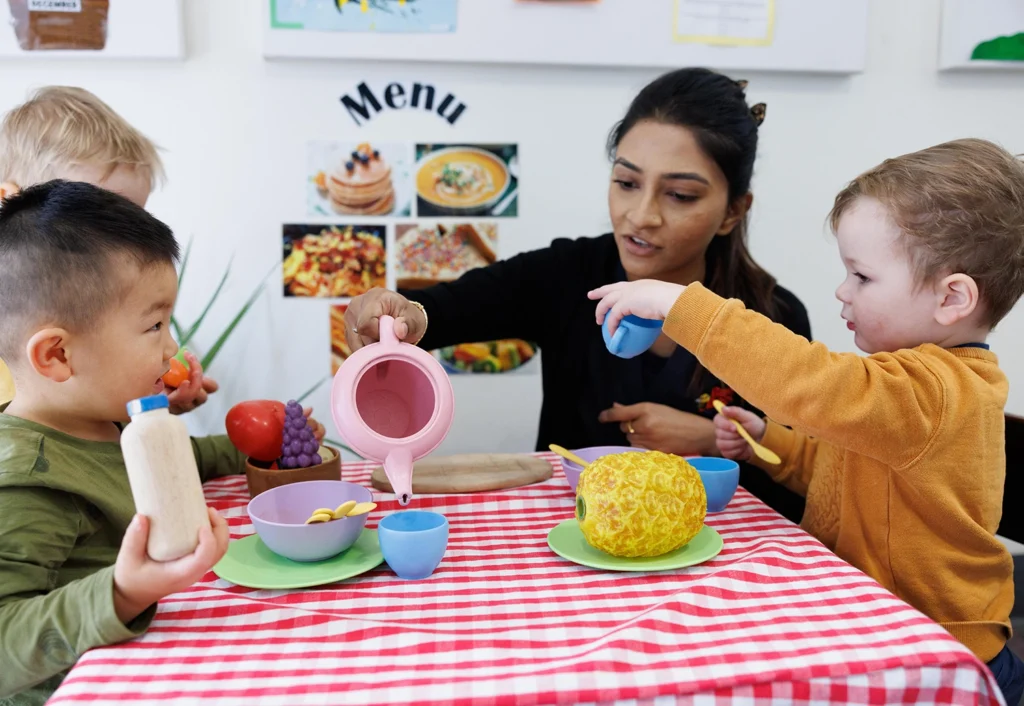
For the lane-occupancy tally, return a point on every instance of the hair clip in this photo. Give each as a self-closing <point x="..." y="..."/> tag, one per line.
<point x="758" y="112"/>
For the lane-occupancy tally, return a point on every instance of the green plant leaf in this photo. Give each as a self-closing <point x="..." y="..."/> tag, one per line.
<point x="206" y="310"/>
<point x="176" y="327"/>
<point x="207" y="360"/>
<point x="311" y="390"/>
<point x="184" y="262"/>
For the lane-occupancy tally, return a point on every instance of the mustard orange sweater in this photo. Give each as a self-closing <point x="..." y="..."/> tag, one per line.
<point x="901" y="456"/>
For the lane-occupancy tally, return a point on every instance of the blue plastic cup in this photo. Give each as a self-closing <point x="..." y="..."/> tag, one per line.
<point x="633" y="336"/>
<point x="413" y="542"/>
<point x="720" y="476"/>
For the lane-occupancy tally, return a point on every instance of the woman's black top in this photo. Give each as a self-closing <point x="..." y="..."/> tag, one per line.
<point x="541" y="296"/>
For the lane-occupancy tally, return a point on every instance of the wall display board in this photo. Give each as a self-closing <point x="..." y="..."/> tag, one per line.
<point x="986" y="34"/>
<point x="102" y="29"/>
<point x="827" y="36"/>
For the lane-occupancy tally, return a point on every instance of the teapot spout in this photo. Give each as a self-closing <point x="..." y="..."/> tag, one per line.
<point x="398" y="469"/>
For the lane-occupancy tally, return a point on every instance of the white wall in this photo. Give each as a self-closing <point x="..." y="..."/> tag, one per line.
<point x="234" y="129"/>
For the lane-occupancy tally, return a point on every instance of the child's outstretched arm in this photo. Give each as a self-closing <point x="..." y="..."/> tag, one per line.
<point x="887" y="406"/>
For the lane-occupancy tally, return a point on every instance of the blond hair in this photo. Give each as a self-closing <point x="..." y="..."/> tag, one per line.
<point x="63" y="126"/>
<point x="960" y="209"/>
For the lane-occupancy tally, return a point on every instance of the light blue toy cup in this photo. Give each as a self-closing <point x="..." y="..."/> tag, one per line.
<point x="413" y="542"/>
<point x="633" y="336"/>
<point x="720" y="477"/>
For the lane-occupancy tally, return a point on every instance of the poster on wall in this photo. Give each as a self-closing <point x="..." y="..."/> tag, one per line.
<point x="734" y="23"/>
<point x="467" y="180"/>
<point x="982" y="35"/>
<point x="339" y="346"/>
<point x="333" y="261"/>
<point x="816" y="36"/>
<point x="359" y="179"/>
<point x="391" y="16"/>
<point x="429" y="253"/>
<point x="107" y="29"/>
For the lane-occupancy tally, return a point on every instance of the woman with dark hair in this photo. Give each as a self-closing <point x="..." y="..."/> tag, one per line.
<point x="683" y="158"/>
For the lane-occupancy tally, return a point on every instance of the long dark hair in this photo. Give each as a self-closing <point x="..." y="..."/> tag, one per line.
<point x="715" y="109"/>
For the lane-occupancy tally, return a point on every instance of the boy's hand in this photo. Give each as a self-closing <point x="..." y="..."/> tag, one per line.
<point x="139" y="582"/>
<point x="193" y="392"/>
<point x="318" y="429"/>
<point x="729" y="441"/>
<point x="646" y="298"/>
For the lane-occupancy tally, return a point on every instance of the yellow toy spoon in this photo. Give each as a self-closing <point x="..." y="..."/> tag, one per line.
<point x="568" y="455"/>
<point x="765" y="454"/>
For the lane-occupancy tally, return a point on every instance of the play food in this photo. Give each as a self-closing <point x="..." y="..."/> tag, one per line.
<point x="279" y="516"/>
<point x="393" y="404"/>
<point x="763" y="453"/>
<point x="640" y="503"/>
<point x="349" y="508"/>
<point x="177" y="374"/>
<point x="164" y="479"/>
<point x="299" y="446"/>
<point x="589" y="455"/>
<point x="256" y="428"/>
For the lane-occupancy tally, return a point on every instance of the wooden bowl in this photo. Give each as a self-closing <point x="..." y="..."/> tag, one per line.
<point x="261" y="478"/>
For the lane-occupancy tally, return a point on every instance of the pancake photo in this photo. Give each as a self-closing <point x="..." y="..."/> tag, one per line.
<point x="359" y="179"/>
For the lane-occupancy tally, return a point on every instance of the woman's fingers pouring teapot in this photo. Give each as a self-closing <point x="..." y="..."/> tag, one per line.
<point x="362" y="318"/>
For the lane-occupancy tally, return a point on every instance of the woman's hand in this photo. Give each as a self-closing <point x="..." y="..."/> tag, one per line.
<point x="661" y="428"/>
<point x="194" y="391"/>
<point x="363" y="316"/>
<point x="646" y="298"/>
<point x="318" y="429"/>
<point x="728" y="439"/>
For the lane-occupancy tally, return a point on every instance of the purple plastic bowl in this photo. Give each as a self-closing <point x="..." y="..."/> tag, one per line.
<point x="279" y="516"/>
<point x="590" y="454"/>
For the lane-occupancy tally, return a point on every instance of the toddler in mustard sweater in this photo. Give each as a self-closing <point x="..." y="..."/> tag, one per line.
<point x="901" y="453"/>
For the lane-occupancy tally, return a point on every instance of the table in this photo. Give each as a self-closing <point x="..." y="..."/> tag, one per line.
<point x="775" y="618"/>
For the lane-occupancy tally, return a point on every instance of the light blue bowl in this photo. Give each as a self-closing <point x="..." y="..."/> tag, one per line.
<point x="720" y="477"/>
<point x="633" y="336"/>
<point x="413" y="542"/>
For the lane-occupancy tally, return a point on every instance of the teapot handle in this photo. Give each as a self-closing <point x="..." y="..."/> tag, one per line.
<point x="386" y="328"/>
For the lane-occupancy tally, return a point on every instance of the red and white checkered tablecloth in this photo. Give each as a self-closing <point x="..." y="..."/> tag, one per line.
<point x="774" y="619"/>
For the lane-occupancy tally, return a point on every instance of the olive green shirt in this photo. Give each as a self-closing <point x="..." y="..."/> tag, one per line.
<point x="65" y="504"/>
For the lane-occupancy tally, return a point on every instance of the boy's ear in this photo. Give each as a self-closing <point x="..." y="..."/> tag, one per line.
<point x="8" y="188"/>
<point x="958" y="298"/>
<point x="736" y="212"/>
<point x="47" y="353"/>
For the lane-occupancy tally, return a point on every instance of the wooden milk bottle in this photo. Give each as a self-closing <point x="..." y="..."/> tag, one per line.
<point x="164" y="478"/>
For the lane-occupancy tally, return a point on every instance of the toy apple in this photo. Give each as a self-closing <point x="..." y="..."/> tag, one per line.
<point x="256" y="428"/>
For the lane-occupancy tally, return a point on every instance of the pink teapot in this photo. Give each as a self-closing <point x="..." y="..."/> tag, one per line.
<point x="393" y="403"/>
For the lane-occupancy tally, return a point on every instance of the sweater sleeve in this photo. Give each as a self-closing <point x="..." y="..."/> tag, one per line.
<point x="44" y="628"/>
<point x="217" y="457"/>
<point x="797" y="451"/>
<point x="887" y="406"/>
<point x="511" y="298"/>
